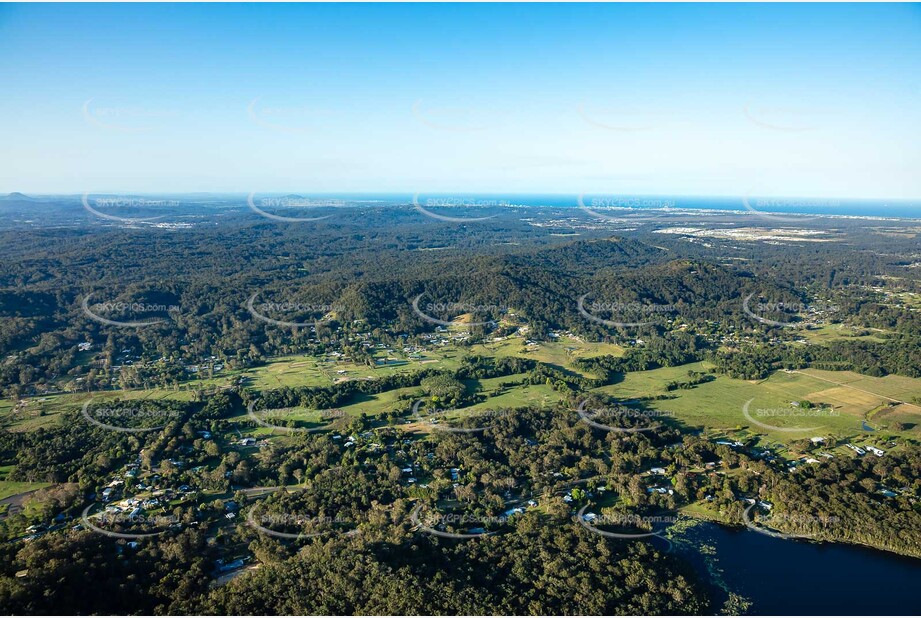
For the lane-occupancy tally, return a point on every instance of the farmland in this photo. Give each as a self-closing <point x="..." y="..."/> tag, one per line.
<point x="718" y="404"/>
<point x="887" y="403"/>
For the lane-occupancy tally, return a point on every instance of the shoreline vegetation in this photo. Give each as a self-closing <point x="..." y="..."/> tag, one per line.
<point x="720" y="521"/>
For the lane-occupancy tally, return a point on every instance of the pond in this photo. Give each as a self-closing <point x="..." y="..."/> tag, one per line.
<point x="789" y="577"/>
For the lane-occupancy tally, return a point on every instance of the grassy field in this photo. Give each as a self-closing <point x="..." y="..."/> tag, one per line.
<point x="298" y="371"/>
<point x="714" y="405"/>
<point x="831" y="332"/>
<point x="290" y="371"/>
<point x="402" y="398"/>
<point x="865" y="391"/>
<point x="719" y="404"/>
<point x="640" y="384"/>
<point x="560" y="353"/>
<point x="380" y="403"/>
<point x="703" y="510"/>
<point x="537" y="395"/>
<point x="912" y="300"/>
<point x="896" y="387"/>
<point x="44" y="411"/>
<point x="13" y="488"/>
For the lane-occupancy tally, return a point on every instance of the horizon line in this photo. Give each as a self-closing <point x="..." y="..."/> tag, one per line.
<point x="483" y="193"/>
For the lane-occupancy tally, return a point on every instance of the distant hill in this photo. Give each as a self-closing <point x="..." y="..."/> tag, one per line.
<point x="15" y="196"/>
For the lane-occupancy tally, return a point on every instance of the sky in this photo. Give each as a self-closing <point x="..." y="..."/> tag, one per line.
<point x="790" y="100"/>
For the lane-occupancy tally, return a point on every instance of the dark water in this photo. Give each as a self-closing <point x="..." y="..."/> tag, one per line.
<point x="786" y="577"/>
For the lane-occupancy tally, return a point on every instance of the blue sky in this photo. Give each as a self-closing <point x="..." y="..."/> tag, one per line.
<point x="792" y="100"/>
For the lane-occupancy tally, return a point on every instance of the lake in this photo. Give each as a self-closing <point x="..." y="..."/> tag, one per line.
<point x="787" y="577"/>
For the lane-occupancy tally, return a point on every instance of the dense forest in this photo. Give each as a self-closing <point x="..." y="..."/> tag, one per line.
<point x="366" y="559"/>
<point x="193" y="284"/>
<point x="338" y="501"/>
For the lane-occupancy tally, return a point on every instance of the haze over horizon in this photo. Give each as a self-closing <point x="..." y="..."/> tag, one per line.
<point x="683" y="100"/>
<point x="409" y="195"/>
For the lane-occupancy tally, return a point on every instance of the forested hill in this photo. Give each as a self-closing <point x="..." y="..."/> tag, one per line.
<point x="371" y="264"/>
<point x="589" y="256"/>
